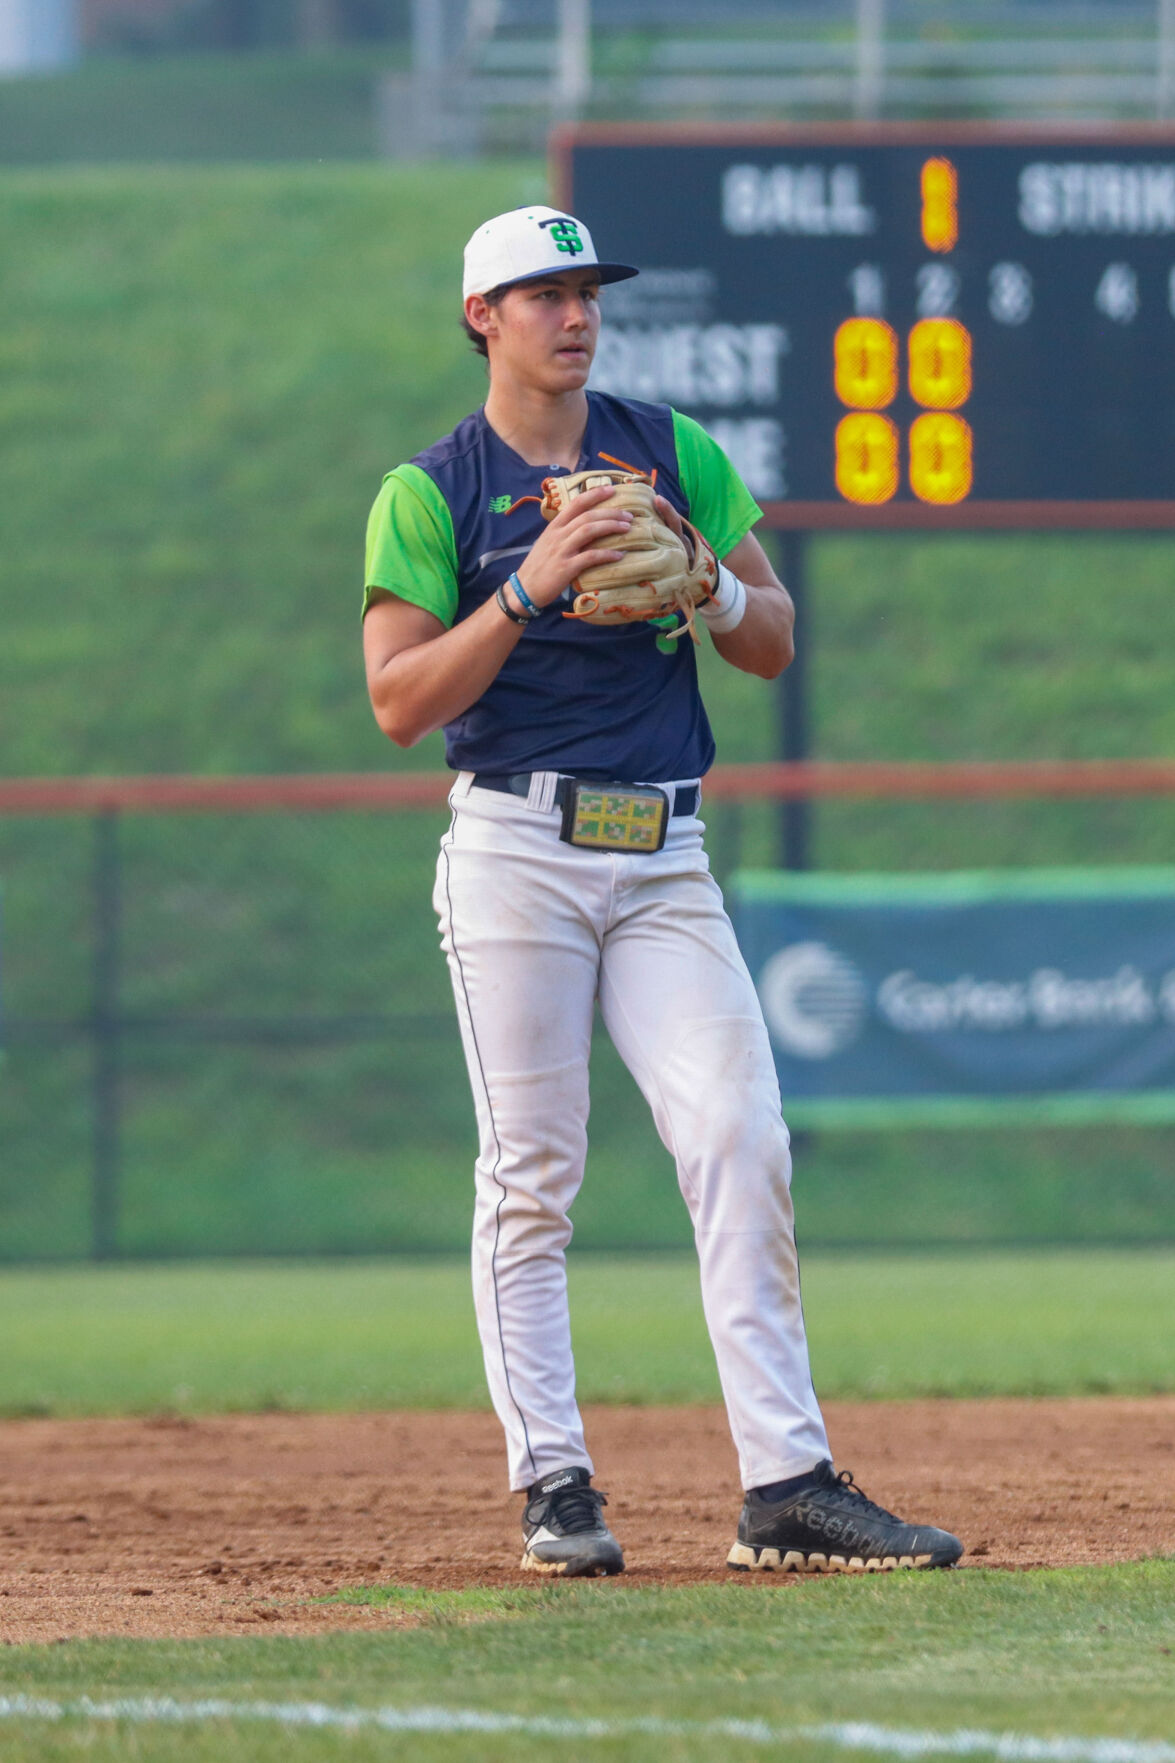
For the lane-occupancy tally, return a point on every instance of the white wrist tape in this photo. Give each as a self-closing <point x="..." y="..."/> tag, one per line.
<point x="728" y="604"/>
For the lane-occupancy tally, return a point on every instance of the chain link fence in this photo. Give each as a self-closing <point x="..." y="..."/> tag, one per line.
<point x="230" y="1032"/>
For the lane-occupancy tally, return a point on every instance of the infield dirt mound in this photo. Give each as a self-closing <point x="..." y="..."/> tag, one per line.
<point x="175" y="1527"/>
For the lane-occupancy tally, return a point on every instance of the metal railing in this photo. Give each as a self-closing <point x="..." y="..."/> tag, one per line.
<point x="498" y="84"/>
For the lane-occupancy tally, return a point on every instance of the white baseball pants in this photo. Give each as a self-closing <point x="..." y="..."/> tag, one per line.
<point x="534" y="931"/>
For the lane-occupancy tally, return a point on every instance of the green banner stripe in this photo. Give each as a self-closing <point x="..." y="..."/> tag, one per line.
<point x="1130" y="1108"/>
<point x="953" y="887"/>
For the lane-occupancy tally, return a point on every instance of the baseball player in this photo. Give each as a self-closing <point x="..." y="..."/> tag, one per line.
<point x="553" y="893"/>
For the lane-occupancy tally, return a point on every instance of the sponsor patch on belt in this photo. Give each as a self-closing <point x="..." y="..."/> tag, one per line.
<point x="614" y="817"/>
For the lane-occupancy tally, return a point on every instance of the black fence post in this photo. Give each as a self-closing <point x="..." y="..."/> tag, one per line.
<point x="106" y="1036"/>
<point x="795" y="820"/>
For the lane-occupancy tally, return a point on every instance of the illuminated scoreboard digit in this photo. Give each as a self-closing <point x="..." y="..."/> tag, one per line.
<point x="900" y="325"/>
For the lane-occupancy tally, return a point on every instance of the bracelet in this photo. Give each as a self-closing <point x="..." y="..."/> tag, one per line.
<point x="514" y="617"/>
<point x="726" y="607"/>
<point x="524" y="599"/>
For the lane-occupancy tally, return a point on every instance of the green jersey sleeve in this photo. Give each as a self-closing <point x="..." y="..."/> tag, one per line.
<point x="720" y="505"/>
<point x="411" y="548"/>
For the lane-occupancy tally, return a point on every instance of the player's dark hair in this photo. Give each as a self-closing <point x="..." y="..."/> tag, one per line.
<point x="493" y="298"/>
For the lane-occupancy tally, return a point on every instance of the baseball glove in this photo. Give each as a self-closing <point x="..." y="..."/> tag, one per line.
<point x="659" y="574"/>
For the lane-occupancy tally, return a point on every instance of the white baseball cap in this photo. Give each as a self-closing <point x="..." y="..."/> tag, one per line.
<point x="528" y="243"/>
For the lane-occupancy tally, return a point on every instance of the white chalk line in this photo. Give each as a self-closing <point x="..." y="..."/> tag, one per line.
<point x="888" y="1741"/>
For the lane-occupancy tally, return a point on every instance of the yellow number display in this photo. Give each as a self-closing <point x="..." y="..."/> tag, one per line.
<point x="866" y="357"/>
<point x="940" y="205"/>
<point x="940" y="363"/>
<point x="866" y="458"/>
<point x="940" y="457"/>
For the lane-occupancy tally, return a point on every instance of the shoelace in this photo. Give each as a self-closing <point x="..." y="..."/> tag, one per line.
<point x="849" y="1490"/>
<point x="575" y="1508"/>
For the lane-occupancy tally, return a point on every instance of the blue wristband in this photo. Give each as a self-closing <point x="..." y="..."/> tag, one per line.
<point x="524" y="599"/>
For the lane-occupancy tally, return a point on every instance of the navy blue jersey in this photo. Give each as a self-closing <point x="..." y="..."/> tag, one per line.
<point x="594" y="700"/>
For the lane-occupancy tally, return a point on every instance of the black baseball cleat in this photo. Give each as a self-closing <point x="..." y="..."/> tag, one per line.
<point x="562" y="1529"/>
<point x="826" y="1525"/>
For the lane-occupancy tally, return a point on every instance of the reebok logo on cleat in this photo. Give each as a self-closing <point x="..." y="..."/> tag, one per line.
<point x="836" y="1529"/>
<point x="563" y="1532"/>
<point x="830" y="1526"/>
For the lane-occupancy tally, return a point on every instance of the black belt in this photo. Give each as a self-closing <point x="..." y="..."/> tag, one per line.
<point x="685" y="801"/>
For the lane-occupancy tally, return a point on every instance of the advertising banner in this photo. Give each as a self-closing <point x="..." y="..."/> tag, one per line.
<point x="1030" y="995"/>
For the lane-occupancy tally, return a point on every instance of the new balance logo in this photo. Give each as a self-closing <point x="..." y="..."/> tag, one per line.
<point x="500" y="504"/>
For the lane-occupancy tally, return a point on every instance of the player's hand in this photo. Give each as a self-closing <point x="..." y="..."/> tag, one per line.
<point x="671" y="518"/>
<point x="575" y="540"/>
<point x="676" y="525"/>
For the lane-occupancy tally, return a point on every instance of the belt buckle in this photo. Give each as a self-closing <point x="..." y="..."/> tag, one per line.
<point x="614" y="817"/>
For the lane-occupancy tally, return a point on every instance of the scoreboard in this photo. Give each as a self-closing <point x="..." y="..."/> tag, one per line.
<point x="905" y="325"/>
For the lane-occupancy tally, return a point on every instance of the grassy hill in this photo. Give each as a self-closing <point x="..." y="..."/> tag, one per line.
<point x="264" y="106"/>
<point x="203" y="375"/>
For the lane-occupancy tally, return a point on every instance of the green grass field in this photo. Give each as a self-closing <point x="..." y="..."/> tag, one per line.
<point x="819" y="1670"/>
<point x="712" y="1672"/>
<point x="203" y="375"/>
<point x="379" y="1334"/>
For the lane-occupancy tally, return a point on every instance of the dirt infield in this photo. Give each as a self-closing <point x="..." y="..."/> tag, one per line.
<point x="170" y="1527"/>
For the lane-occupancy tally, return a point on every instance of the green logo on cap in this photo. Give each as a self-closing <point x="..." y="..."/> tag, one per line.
<point x="566" y="236"/>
